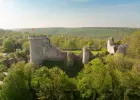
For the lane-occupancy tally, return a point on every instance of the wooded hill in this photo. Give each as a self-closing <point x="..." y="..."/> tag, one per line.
<point x="98" y="32"/>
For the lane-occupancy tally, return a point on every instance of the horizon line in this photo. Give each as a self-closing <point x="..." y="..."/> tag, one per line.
<point x="69" y="27"/>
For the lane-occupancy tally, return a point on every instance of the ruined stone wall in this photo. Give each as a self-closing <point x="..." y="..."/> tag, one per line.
<point x="113" y="49"/>
<point x="86" y="55"/>
<point x="54" y="54"/>
<point x="111" y="46"/>
<point x="122" y="49"/>
<point x="41" y="49"/>
<point x="36" y="49"/>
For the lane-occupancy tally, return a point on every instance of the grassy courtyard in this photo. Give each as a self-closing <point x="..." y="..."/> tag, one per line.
<point x="79" y="51"/>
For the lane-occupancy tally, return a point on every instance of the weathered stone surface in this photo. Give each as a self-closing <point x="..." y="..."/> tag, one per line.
<point x="122" y="49"/>
<point x="86" y="55"/>
<point x="5" y="73"/>
<point x="70" y="59"/>
<point x="80" y="55"/>
<point x="112" y="48"/>
<point x="41" y="49"/>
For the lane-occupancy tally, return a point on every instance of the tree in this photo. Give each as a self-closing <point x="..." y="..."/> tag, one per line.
<point x="51" y="84"/>
<point x="29" y="69"/>
<point x="94" y="81"/>
<point x="15" y="84"/>
<point x="125" y="77"/>
<point x="129" y="82"/>
<point x="102" y="42"/>
<point x="133" y="42"/>
<point x="8" y="46"/>
<point x="71" y="44"/>
<point x="25" y="47"/>
<point x="90" y="44"/>
<point x="20" y="54"/>
<point x="119" y="62"/>
<point x="2" y="69"/>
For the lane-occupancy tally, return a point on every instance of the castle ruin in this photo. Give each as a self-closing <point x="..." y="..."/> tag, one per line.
<point x="114" y="49"/>
<point x="41" y="49"/>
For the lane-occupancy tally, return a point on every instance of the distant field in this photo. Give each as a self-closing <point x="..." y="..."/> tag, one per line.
<point x="79" y="51"/>
<point x="97" y="32"/>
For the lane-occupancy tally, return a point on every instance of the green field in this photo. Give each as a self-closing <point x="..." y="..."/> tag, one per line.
<point x="77" y="52"/>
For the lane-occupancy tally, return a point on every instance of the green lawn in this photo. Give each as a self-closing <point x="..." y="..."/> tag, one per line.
<point x="79" y="51"/>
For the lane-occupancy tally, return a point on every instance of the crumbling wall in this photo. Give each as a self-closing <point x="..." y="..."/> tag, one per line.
<point x="122" y="49"/>
<point x="111" y="46"/>
<point x="41" y="49"/>
<point x="86" y="55"/>
<point x="54" y="54"/>
<point x="113" y="49"/>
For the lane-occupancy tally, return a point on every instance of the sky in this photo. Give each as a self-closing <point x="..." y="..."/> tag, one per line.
<point x="69" y="13"/>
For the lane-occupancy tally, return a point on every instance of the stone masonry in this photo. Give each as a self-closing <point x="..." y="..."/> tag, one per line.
<point x="41" y="49"/>
<point x="113" y="49"/>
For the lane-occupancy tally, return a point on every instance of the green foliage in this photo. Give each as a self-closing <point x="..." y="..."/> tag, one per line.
<point x="8" y="46"/>
<point x="20" y="54"/>
<point x="115" y="79"/>
<point x="119" y="62"/>
<point x="2" y="69"/>
<point x="123" y="74"/>
<point x="15" y="85"/>
<point x="90" y="44"/>
<point x="94" y="81"/>
<point x="52" y="84"/>
<point x="133" y="42"/>
<point x="25" y="46"/>
<point x="118" y="42"/>
<point x="70" y="71"/>
<point x="11" y="55"/>
<point x="102" y="42"/>
<point x="103" y="52"/>
<point x="130" y="83"/>
<point x="70" y="44"/>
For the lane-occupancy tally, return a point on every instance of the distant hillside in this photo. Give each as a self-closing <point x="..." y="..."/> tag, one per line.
<point x="99" y="32"/>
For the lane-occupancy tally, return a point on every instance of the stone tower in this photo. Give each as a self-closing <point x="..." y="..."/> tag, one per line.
<point x="41" y="49"/>
<point x="86" y="55"/>
<point x="36" y="48"/>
